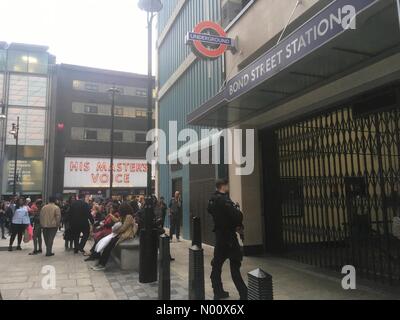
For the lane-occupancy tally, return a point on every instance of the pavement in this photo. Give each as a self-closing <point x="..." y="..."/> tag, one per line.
<point x="21" y="278"/>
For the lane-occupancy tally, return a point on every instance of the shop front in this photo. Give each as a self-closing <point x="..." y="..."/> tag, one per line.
<point x="325" y="103"/>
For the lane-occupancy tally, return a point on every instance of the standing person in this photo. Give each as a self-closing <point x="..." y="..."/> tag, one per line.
<point x="20" y="221"/>
<point x="80" y="220"/>
<point x="50" y="219"/>
<point x="65" y="218"/>
<point x="164" y="209"/>
<point x="9" y="215"/>
<point x="3" y="219"/>
<point x="175" y="215"/>
<point x="228" y="221"/>
<point x="37" y="229"/>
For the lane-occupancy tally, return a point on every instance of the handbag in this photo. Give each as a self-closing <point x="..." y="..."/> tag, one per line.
<point x="28" y="234"/>
<point x="103" y="243"/>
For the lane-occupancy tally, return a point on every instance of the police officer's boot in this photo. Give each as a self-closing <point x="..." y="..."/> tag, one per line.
<point x="221" y="294"/>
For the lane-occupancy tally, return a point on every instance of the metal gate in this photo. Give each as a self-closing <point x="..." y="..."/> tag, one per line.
<point x="339" y="187"/>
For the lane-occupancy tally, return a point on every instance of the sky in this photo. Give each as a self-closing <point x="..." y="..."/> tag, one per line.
<point x="108" y="34"/>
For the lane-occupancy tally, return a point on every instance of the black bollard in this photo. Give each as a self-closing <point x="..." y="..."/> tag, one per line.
<point x="196" y="264"/>
<point x="260" y="285"/>
<point x="148" y="245"/>
<point x="164" y="269"/>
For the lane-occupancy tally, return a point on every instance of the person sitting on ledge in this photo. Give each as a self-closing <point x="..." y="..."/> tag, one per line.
<point x="126" y="232"/>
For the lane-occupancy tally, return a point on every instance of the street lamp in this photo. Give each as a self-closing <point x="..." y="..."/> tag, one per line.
<point x="113" y="92"/>
<point x="148" y="234"/>
<point x="15" y="133"/>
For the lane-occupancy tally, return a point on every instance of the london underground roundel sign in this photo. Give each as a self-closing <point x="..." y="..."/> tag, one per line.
<point x="209" y="40"/>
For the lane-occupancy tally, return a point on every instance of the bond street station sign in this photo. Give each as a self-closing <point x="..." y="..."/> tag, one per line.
<point x="338" y="17"/>
<point x="209" y="40"/>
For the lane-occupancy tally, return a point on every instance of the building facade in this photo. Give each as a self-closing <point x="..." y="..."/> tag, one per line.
<point x="318" y="82"/>
<point x="184" y="83"/>
<point x="81" y="147"/>
<point x="25" y="86"/>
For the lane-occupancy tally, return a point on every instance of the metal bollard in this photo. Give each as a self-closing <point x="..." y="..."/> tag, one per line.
<point x="148" y="246"/>
<point x="164" y="270"/>
<point x="260" y="285"/>
<point x="196" y="264"/>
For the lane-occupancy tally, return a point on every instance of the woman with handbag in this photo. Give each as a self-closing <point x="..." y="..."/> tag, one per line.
<point x="20" y="221"/>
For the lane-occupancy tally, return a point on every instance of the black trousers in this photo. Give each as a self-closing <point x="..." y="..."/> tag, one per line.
<point x="80" y="243"/>
<point x="17" y="230"/>
<point x="49" y="235"/>
<point x="175" y="228"/>
<point x="105" y="256"/>
<point x="2" y="227"/>
<point x="37" y="238"/>
<point x="222" y="252"/>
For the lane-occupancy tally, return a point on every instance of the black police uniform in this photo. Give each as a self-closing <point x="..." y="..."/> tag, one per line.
<point x="227" y="218"/>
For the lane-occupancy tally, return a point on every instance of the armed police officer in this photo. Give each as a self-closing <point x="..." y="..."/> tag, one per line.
<point x="228" y="223"/>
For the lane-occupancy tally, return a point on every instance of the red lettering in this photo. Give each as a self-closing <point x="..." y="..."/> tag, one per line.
<point x="102" y="166"/>
<point x="95" y="178"/>
<point x="126" y="178"/>
<point x="118" y="178"/>
<point x="104" y="178"/>
<point x="73" y="166"/>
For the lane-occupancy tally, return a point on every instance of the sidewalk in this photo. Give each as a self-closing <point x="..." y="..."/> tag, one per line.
<point x="20" y="278"/>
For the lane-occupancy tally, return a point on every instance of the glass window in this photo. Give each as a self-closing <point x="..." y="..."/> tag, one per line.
<point x="1" y="88"/>
<point x="31" y="124"/>
<point x="119" y="111"/>
<point x="104" y="87"/>
<point x="32" y="62"/>
<point x="27" y="91"/>
<point x="141" y="113"/>
<point x="2" y="60"/>
<point x="91" y="109"/>
<point x="89" y="86"/>
<point x="140" y="137"/>
<point x="76" y="84"/>
<point x="38" y="62"/>
<point x="231" y="9"/>
<point x="90" y="135"/>
<point x="141" y="92"/>
<point x="118" y="136"/>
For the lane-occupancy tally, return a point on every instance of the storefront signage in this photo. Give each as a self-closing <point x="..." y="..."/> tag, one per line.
<point x="209" y="40"/>
<point x="338" y="17"/>
<point x="95" y="173"/>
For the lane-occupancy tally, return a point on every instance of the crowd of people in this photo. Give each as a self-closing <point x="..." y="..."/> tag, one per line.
<point x="110" y="222"/>
<point x="106" y="222"/>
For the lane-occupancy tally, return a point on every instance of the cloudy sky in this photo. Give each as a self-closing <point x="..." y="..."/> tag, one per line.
<point x="108" y="34"/>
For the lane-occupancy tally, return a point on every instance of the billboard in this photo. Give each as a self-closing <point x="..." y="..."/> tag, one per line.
<point x="29" y="176"/>
<point x="95" y="173"/>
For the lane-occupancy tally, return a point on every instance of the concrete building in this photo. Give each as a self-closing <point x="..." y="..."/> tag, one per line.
<point x="80" y="150"/>
<point x="25" y="86"/>
<point x="318" y="81"/>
